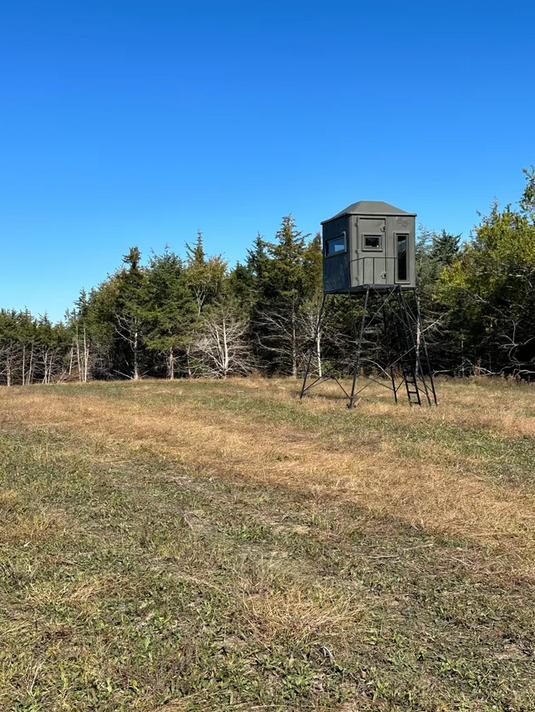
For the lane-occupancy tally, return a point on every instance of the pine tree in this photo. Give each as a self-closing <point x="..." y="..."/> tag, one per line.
<point x="172" y="309"/>
<point x="132" y="312"/>
<point x="281" y="281"/>
<point x="204" y="274"/>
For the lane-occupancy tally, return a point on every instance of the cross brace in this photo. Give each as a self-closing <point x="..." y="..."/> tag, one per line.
<point x="398" y="312"/>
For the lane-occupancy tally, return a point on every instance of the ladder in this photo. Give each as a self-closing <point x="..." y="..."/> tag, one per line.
<point x="408" y="347"/>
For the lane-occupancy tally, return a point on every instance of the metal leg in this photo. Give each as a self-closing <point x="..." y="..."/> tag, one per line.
<point x="359" y="347"/>
<point x="390" y="367"/>
<point x="416" y="318"/>
<point x="406" y="350"/>
<point x="409" y="350"/>
<point x="309" y="360"/>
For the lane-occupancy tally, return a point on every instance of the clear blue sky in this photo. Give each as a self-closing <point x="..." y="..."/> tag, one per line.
<point x="140" y="121"/>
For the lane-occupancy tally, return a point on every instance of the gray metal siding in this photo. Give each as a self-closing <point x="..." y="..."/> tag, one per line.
<point x="371" y="207"/>
<point x="404" y="225"/>
<point x="358" y="266"/>
<point x="370" y="261"/>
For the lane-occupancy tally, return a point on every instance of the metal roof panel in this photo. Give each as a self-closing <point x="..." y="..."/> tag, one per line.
<point x="370" y="207"/>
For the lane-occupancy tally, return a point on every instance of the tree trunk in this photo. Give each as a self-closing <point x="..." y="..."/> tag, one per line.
<point x="294" y="341"/>
<point x="225" y="351"/>
<point x="29" y="378"/>
<point x="136" y="355"/>
<point x="188" y="365"/>
<point x="71" y="360"/>
<point x="45" y="367"/>
<point x="8" y="364"/>
<point x="85" y="358"/>
<point x="171" y="364"/>
<point x="318" y="351"/>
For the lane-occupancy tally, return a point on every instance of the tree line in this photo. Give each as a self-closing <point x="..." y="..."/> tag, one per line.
<point x="175" y="317"/>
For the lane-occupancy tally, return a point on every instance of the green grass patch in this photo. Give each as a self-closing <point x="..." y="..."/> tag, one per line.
<point x="132" y="580"/>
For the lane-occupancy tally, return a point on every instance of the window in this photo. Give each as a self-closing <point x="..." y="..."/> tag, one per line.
<point x="373" y="242"/>
<point x="402" y="257"/>
<point x="336" y="245"/>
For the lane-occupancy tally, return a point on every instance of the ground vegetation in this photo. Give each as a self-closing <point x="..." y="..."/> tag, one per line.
<point x="218" y="545"/>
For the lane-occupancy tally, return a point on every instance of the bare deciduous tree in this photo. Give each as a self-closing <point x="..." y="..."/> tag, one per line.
<point x="220" y="346"/>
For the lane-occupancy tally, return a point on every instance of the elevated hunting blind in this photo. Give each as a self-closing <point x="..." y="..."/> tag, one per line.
<point x="370" y="243"/>
<point x="369" y="254"/>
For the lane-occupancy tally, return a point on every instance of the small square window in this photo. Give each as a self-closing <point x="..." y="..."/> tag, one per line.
<point x="335" y="246"/>
<point x="372" y="242"/>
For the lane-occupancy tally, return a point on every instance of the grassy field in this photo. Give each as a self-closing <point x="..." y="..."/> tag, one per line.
<point x="223" y="546"/>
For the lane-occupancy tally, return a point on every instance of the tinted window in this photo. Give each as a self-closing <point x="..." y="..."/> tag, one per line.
<point x="335" y="245"/>
<point x="402" y="258"/>
<point x="372" y="242"/>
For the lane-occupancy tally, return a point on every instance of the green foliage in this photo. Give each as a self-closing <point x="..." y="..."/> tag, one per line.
<point x="527" y="202"/>
<point x="286" y="268"/>
<point x="313" y="269"/>
<point x="284" y="277"/>
<point x="205" y="276"/>
<point x="172" y="310"/>
<point x="491" y="289"/>
<point x="241" y="286"/>
<point x="31" y="350"/>
<point x="173" y="317"/>
<point x="435" y="252"/>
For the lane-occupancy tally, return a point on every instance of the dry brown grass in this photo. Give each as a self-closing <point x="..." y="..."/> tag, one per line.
<point x="298" y="615"/>
<point x="211" y="546"/>
<point x="432" y="491"/>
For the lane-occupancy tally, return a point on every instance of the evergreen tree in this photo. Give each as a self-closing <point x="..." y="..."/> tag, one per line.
<point x="204" y="274"/>
<point x="527" y="201"/>
<point x="280" y="282"/>
<point x="241" y="287"/>
<point x="132" y="315"/>
<point x="195" y="317"/>
<point x="257" y="262"/>
<point x="172" y="311"/>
